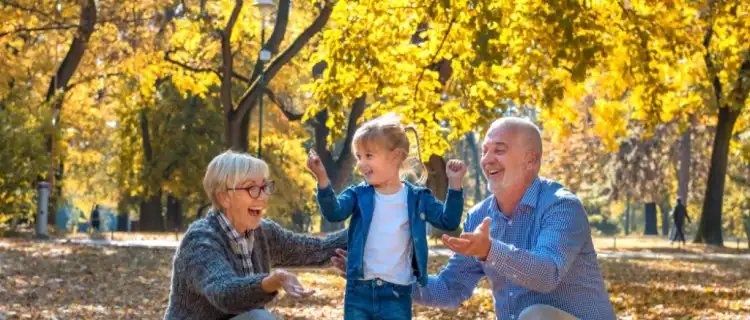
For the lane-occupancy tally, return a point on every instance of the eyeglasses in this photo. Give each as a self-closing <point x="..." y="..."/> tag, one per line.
<point x="254" y="191"/>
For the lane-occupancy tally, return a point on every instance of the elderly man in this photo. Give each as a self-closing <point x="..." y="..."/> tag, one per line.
<point x="531" y="239"/>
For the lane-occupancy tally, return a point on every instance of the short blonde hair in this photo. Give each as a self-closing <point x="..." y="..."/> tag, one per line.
<point x="230" y="169"/>
<point x="388" y="133"/>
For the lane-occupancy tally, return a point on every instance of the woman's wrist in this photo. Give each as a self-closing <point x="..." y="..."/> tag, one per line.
<point x="273" y="281"/>
<point x="270" y="283"/>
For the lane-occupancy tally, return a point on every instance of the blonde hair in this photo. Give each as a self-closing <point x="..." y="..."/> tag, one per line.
<point x="230" y="169"/>
<point x="388" y="133"/>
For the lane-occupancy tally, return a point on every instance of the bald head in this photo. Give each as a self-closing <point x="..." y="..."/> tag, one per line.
<point x="525" y="131"/>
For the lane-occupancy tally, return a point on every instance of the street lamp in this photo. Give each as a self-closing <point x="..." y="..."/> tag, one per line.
<point x="265" y="6"/>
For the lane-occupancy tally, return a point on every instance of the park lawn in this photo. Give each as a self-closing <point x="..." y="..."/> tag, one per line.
<point x="602" y="243"/>
<point x="42" y="281"/>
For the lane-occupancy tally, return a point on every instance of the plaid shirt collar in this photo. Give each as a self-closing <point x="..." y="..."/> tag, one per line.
<point x="242" y="246"/>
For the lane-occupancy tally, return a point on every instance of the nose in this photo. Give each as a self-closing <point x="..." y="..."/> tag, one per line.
<point x="486" y="159"/>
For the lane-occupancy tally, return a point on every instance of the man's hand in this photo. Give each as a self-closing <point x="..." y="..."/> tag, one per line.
<point x="281" y="279"/>
<point x="455" y="171"/>
<point x="317" y="168"/>
<point x="340" y="262"/>
<point x="475" y="244"/>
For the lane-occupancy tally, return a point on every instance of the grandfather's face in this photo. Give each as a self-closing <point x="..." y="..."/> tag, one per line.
<point x="504" y="160"/>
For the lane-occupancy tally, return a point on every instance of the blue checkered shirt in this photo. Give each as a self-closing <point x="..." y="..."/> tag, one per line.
<point x="541" y="254"/>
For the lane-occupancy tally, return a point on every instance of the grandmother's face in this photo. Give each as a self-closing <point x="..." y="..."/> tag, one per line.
<point x="244" y="206"/>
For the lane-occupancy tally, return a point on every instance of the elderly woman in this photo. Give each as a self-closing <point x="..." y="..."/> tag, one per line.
<point x="222" y="268"/>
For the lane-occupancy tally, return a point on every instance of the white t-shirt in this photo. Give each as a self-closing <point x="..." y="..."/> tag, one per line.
<point x="388" y="248"/>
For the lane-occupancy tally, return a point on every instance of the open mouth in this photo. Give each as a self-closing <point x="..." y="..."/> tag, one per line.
<point x="493" y="173"/>
<point x="255" y="212"/>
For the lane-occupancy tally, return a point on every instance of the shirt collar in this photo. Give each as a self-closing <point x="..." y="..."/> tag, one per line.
<point x="229" y="228"/>
<point x="528" y="201"/>
<point x="531" y="195"/>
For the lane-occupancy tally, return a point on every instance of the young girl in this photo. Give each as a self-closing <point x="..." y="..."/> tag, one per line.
<point x="387" y="233"/>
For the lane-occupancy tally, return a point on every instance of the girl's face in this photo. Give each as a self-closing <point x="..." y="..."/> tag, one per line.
<point x="378" y="165"/>
<point x="245" y="204"/>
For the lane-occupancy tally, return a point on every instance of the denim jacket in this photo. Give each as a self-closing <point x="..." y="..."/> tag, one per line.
<point x="359" y="203"/>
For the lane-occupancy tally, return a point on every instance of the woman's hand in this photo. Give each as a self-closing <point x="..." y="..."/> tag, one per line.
<point x="281" y="279"/>
<point x="340" y="262"/>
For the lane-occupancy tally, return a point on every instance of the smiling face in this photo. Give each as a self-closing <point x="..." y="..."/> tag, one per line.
<point x="230" y="180"/>
<point x="244" y="211"/>
<point x="509" y="158"/>
<point x="377" y="165"/>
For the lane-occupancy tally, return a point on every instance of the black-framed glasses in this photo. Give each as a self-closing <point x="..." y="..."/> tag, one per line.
<point x="254" y="191"/>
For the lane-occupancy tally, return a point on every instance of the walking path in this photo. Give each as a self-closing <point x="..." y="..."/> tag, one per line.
<point x="171" y="244"/>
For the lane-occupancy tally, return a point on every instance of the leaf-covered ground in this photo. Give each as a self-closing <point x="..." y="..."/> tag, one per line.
<point x="44" y="281"/>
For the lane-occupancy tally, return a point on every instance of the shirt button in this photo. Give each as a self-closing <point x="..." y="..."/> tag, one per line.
<point x="510" y="294"/>
<point x="379" y="282"/>
<point x="512" y="316"/>
<point x="510" y="223"/>
<point x="421" y="216"/>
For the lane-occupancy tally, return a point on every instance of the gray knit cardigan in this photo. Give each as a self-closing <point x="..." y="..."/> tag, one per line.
<point x="206" y="281"/>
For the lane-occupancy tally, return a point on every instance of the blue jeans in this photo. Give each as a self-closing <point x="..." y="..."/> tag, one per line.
<point x="376" y="299"/>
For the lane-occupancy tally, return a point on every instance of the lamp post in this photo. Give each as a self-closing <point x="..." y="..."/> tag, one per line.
<point x="265" y="7"/>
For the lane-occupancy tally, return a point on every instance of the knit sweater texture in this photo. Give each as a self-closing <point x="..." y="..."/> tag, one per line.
<point x="207" y="281"/>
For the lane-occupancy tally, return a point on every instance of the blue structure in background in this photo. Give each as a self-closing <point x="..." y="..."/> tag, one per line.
<point x="66" y="218"/>
<point x="69" y="217"/>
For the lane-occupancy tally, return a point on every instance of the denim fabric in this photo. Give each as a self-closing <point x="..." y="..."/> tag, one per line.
<point x="376" y="299"/>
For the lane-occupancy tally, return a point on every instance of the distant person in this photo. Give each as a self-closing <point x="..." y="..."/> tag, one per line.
<point x="95" y="218"/>
<point x="679" y="213"/>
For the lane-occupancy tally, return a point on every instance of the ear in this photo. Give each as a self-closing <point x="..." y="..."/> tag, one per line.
<point x="531" y="160"/>
<point x="397" y="155"/>
<point x="224" y="199"/>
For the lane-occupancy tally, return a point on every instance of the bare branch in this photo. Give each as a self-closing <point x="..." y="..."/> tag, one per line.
<point x="20" y="7"/>
<point x="358" y="108"/>
<point x="94" y="77"/>
<point x="432" y="60"/>
<point x="188" y="67"/>
<point x="226" y="56"/>
<point x="251" y="94"/>
<point x="284" y="109"/>
<point x="204" y="70"/>
<point x="45" y="28"/>
<point x="273" y="42"/>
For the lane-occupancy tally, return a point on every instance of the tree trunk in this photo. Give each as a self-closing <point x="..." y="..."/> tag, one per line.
<point x="300" y="221"/>
<point x="56" y="93"/>
<point x="232" y="129"/>
<point x="340" y="169"/>
<point x="650" y="213"/>
<point x="437" y="182"/>
<point x="709" y="227"/>
<point x="627" y="215"/>
<point x="478" y="174"/>
<point x="174" y="213"/>
<point x="151" y="217"/>
<point x="683" y="173"/>
<point x="665" y="222"/>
